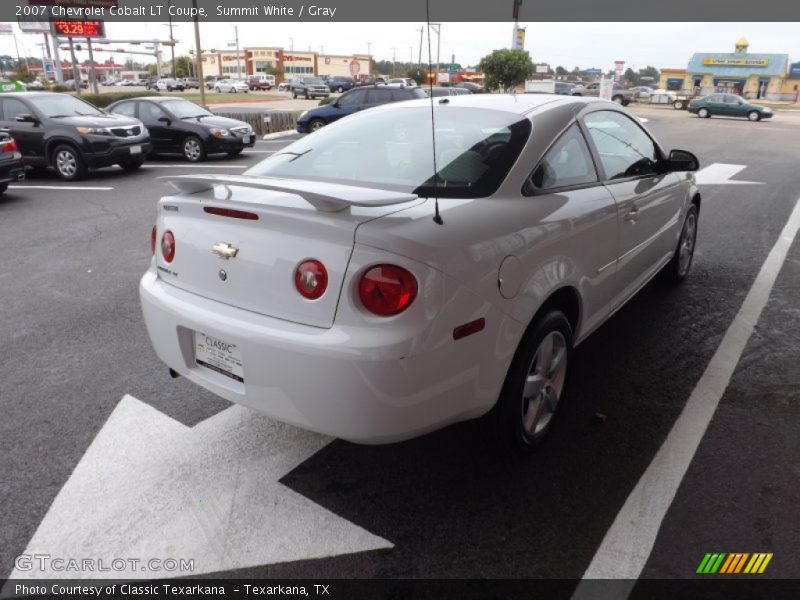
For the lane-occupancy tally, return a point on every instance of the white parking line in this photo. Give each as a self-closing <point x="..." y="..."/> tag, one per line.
<point x="629" y="542"/>
<point x="259" y="152"/>
<point x="58" y="187"/>
<point x="203" y="166"/>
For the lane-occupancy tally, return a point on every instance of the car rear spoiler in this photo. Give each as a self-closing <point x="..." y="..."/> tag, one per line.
<point x="326" y="197"/>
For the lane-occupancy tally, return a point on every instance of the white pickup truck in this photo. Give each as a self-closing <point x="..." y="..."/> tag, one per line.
<point x="620" y="96"/>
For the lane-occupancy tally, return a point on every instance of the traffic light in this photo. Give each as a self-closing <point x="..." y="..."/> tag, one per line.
<point x="78" y="47"/>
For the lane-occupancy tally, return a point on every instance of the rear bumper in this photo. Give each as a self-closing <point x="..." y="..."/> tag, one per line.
<point x="12" y="171"/>
<point x="361" y="383"/>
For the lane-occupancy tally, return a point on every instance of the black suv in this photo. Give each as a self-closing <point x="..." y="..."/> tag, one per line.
<point x="356" y="99"/>
<point x="310" y="87"/>
<point x="71" y="135"/>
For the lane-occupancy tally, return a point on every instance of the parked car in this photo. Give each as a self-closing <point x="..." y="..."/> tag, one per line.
<point x="190" y="83"/>
<point x="178" y="126"/>
<point x="125" y="83"/>
<point x="373" y="80"/>
<point x="170" y="85"/>
<point x="34" y="85"/>
<point x="310" y="87"/>
<point x="728" y="105"/>
<point x="340" y="84"/>
<point x="261" y="81"/>
<point x="353" y="101"/>
<point x="151" y="82"/>
<point x="11" y="166"/>
<point x="285" y="85"/>
<point x="475" y="88"/>
<point x="406" y="81"/>
<point x="69" y="134"/>
<point x="618" y="95"/>
<point x="408" y="325"/>
<point x="231" y="86"/>
<point x="563" y="88"/>
<point x="444" y="91"/>
<point x="70" y="83"/>
<point x="642" y="92"/>
<point x="109" y="81"/>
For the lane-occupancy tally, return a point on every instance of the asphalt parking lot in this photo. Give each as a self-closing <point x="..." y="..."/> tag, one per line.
<point x="104" y="454"/>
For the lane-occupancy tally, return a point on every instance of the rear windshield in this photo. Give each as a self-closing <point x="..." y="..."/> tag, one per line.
<point x="393" y="149"/>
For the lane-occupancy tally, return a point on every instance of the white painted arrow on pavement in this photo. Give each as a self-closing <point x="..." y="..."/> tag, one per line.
<point x="149" y="487"/>
<point x="720" y="174"/>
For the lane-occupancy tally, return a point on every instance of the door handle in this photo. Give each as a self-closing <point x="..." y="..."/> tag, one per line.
<point x="632" y="215"/>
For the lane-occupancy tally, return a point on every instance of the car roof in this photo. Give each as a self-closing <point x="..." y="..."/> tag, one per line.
<point x="514" y="103"/>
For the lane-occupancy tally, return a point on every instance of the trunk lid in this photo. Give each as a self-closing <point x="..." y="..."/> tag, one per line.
<point x="290" y="221"/>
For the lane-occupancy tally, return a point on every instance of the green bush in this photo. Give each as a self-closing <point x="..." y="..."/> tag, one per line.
<point x="58" y="87"/>
<point x="103" y="100"/>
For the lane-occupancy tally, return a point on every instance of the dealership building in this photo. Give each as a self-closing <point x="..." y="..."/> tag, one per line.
<point x="261" y="59"/>
<point x="752" y="75"/>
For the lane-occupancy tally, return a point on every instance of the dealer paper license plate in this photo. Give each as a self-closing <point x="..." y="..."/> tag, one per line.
<point x="218" y="355"/>
<point x="136" y="149"/>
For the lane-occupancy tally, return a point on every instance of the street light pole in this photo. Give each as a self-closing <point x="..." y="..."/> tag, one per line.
<point x="238" y="60"/>
<point x="197" y="57"/>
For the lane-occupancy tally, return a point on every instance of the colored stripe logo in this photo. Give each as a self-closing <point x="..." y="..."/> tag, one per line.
<point x="734" y="563"/>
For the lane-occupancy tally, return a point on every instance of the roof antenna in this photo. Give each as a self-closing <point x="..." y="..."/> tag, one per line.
<point x="437" y="218"/>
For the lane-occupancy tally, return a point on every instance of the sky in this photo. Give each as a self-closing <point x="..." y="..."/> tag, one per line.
<point x="566" y="44"/>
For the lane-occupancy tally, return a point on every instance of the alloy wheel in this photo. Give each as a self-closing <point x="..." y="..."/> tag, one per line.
<point x="544" y="384"/>
<point x="66" y="163"/>
<point x="686" y="248"/>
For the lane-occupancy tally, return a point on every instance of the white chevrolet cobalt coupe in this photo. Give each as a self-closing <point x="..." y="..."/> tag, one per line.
<point x="347" y="286"/>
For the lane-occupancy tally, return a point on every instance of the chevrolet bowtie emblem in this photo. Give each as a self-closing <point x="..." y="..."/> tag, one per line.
<point x="224" y="250"/>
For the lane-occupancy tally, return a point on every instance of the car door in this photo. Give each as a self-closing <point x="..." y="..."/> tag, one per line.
<point x="565" y="188"/>
<point x="716" y="104"/>
<point x="163" y="134"/>
<point x="735" y="106"/>
<point x="351" y="102"/>
<point x="29" y="135"/>
<point x="649" y="202"/>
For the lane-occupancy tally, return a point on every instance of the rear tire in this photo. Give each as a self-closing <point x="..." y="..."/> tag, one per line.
<point x="677" y="269"/>
<point x="535" y="385"/>
<point x="678" y="105"/>
<point x="68" y="163"/>
<point x="340" y="89"/>
<point x="3" y="187"/>
<point x="618" y="100"/>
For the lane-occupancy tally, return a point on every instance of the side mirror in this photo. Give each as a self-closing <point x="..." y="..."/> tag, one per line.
<point x="164" y="120"/>
<point x="26" y="118"/>
<point x="682" y="160"/>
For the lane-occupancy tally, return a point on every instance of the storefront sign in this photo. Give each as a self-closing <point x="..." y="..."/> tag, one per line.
<point x="794" y="70"/>
<point x="735" y="62"/>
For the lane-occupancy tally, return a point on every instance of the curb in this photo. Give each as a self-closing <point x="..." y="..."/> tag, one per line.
<point x="278" y="134"/>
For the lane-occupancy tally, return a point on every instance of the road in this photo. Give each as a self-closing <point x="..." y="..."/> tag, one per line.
<point x="74" y="345"/>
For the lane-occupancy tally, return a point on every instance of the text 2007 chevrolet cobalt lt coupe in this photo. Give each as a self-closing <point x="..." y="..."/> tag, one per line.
<point x="319" y="287"/>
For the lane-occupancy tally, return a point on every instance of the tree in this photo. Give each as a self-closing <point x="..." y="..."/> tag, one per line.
<point x="23" y="75"/>
<point x="561" y="71"/>
<point x="649" y="71"/>
<point x="417" y="74"/>
<point x="506" y="68"/>
<point x="184" y="66"/>
<point x="152" y="70"/>
<point x="631" y="77"/>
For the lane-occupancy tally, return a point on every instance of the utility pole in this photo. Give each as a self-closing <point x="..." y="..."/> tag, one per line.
<point x="421" y="29"/>
<point x="76" y="72"/>
<point x="172" y="41"/>
<point x="394" y="60"/>
<point x="197" y="57"/>
<point x="238" y="60"/>
<point x="92" y="71"/>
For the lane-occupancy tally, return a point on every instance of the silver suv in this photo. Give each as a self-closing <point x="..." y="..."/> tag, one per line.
<point x="310" y="87"/>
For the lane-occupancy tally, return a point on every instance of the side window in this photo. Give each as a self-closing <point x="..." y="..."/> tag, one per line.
<point x="378" y="96"/>
<point x="353" y="98"/>
<point x="625" y="149"/>
<point x="149" y="112"/>
<point x="126" y="108"/>
<point x="567" y="162"/>
<point x="13" y="107"/>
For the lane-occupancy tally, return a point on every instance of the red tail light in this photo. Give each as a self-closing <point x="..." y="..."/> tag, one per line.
<point x="10" y="146"/>
<point x="387" y="289"/>
<point x="153" y="241"/>
<point x="311" y="279"/>
<point x="168" y="246"/>
<point x="230" y="212"/>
